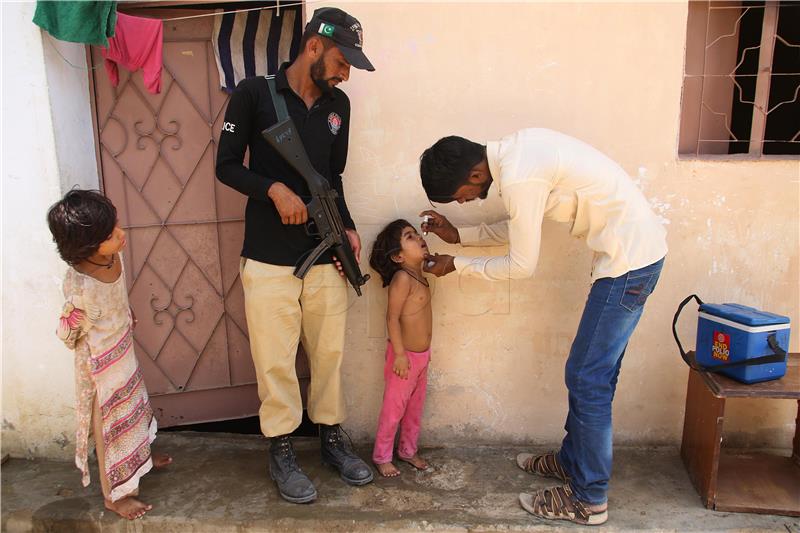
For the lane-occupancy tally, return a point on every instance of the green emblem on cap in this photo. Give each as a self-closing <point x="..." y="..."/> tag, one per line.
<point x="326" y="29"/>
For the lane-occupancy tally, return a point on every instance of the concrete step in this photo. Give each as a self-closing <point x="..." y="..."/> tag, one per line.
<point x="219" y="483"/>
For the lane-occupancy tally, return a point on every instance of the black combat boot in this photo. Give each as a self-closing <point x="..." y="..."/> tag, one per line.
<point x="338" y="454"/>
<point x="293" y="484"/>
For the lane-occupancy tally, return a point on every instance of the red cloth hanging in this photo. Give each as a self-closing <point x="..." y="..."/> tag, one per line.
<point x="137" y="43"/>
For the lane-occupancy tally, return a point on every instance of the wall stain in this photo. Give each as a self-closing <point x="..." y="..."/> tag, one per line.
<point x="62" y="440"/>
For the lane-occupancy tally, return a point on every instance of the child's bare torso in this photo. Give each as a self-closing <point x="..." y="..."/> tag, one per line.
<point x="416" y="319"/>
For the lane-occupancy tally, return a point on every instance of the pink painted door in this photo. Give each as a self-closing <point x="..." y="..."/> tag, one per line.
<point x="156" y="154"/>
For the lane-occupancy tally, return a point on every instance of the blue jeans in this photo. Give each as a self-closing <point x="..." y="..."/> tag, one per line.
<point x="612" y="311"/>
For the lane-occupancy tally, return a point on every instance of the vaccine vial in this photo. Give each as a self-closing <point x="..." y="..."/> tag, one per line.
<point x="426" y="220"/>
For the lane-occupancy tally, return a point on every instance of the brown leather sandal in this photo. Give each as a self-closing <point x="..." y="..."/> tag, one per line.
<point x="545" y="465"/>
<point x="560" y="503"/>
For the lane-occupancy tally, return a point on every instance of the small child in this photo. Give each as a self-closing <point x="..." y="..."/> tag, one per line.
<point x="97" y="324"/>
<point x="397" y="256"/>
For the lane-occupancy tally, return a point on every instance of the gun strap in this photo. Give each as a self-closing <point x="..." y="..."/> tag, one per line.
<point x="278" y="101"/>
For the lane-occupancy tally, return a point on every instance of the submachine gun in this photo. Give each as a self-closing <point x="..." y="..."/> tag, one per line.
<point x="324" y="221"/>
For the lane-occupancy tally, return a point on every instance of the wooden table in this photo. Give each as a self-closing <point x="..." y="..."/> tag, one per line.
<point x="747" y="483"/>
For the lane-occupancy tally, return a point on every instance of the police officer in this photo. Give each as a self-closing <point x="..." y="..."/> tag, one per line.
<point x="282" y="309"/>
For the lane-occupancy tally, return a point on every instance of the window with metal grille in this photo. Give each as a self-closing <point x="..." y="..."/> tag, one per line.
<point x="741" y="80"/>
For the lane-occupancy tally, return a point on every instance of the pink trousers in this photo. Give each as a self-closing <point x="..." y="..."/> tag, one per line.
<point x="403" y="400"/>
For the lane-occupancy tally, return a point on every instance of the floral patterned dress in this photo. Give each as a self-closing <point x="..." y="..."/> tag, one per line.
<point x="96" y="323"/>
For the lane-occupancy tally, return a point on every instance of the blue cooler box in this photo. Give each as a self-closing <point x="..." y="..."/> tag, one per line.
<point x="733" y="332"/>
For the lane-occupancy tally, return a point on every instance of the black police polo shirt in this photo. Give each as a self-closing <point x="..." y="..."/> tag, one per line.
<point x="324" y="130"/>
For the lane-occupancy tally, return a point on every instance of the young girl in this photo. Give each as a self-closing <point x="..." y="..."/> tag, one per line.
<point x="97" y="324"/>
<point x="397" y="256"/>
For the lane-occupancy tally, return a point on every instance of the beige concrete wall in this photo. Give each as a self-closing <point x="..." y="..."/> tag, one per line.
<point x="611" y="75"/>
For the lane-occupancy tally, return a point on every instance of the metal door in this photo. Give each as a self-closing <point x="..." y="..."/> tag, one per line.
<point x="156" y="155"/>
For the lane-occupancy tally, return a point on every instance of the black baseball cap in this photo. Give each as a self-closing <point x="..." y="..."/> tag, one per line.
<point x="343" y="30"/>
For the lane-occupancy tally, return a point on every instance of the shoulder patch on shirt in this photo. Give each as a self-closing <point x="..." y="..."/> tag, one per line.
<point x="334" y="123"/>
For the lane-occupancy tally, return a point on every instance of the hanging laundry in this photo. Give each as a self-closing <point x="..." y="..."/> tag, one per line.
<point x="255" y="43"/>
<point x="138" y="43"/>
<point x="77" y="22"/>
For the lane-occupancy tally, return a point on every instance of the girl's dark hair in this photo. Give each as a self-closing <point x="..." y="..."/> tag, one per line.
<point x="387" y="243"/>
<point x="445" y="166"/>
<point x="80" y="222"/>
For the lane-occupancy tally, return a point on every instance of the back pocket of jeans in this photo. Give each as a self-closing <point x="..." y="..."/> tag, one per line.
<point x="637" y="290"/>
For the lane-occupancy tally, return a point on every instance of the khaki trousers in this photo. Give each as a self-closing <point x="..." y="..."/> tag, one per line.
<point x="282" y="310"/>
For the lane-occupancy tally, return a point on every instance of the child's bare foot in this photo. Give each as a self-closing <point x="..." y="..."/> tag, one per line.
<point x="129" y="507"/>
<point x="416" y="461"/>
<point x="387" y="469"/>
<point x="161" y="460"/>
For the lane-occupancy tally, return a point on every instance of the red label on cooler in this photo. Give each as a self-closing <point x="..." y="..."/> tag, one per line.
<point x="722" y="346"/>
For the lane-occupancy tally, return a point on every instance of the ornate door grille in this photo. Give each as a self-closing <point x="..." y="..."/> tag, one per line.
<point x="156" y="155"/>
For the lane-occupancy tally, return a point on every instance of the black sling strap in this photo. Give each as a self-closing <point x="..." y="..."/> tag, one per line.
<point x="278" y="101"/>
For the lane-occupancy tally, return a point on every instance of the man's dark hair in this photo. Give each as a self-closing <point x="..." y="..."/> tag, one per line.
<point x="445" y="166"/>
<point x="80" y="222"/>
<point x="387" y="243"/>
<point x="311" y="32"/>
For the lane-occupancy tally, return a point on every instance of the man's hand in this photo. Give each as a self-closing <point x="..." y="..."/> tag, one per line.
<point x="442" y="227"/>
<point x="289" y="205"/>
<point x="355" y="244"/>
<point x="439" y="265"/>
<point x="401" y="366"/>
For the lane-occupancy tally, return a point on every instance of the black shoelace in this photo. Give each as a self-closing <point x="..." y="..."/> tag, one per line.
<point x="285" y="448"/>
<point x="335" y="438"/>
